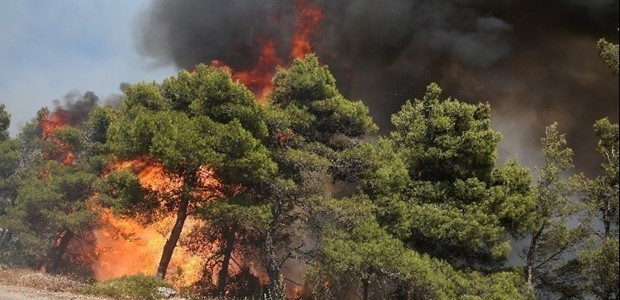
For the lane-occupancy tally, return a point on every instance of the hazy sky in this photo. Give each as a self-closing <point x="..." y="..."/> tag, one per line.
<point x="51" y="47"/>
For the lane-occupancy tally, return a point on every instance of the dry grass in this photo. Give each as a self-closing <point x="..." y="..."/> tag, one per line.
<point x="40" y="281"/>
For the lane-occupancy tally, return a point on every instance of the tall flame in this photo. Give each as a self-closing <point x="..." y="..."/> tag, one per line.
<point x="308" y="17"/>
<point x="258" y="79"/>
<point x="126" y="246"/>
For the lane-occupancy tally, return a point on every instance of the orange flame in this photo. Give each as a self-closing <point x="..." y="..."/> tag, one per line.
<point x="49" y="123"/>
<point x="258" y="79"/>
<point x="127" y="246"/>
<point x="308" y="17"/>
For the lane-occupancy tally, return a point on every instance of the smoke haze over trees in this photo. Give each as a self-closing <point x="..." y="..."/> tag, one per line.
<point x="534" y="61"/>
<point x="432" y="215"/>
<point x="237" y="178"/>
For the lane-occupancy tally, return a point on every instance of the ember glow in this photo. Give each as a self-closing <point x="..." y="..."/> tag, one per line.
<point x="258" y="79"/>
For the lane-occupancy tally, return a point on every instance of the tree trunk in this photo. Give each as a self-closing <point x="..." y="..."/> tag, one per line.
<point x="531" y="255"/>
<point x="223" y="275"/>
<point x="365" y="284"/>
<point x="51" y="264"/>
<point x="273" y="267"/>
<point x="175" y="234"/>
<point x="607" y="218"/>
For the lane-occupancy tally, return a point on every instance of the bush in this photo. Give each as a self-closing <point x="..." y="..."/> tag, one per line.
<point x="128" y="287"/>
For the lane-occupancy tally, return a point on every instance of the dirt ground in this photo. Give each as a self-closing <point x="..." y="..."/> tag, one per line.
<point x="22" y="284"/>
<point x="10" y="292"/>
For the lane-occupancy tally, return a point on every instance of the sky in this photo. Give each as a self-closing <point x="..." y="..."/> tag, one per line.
<point x="49" y="48"/>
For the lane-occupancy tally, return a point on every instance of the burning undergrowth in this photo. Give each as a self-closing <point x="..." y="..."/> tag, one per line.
<point x="123" y="244"/>
<point x="127" y="241"/>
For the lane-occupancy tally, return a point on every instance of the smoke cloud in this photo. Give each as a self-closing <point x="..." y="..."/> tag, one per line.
<point x="536" y="62"/>
<point x="76" y="106"/>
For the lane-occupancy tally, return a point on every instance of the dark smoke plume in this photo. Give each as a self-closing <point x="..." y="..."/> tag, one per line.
<point x="75" y="106"/>
<point x="535" y="61"/>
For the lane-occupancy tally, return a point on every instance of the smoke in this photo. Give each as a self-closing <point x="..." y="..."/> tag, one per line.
<point x="536" y="62"/>
<point x="75" y="106"/>
<point x="189" y="32"/>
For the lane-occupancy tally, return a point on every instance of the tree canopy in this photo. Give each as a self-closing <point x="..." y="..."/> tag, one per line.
<point x="303" y="182"/>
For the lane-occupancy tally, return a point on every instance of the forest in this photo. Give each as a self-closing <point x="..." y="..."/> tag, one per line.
<point x="298" y="196"/>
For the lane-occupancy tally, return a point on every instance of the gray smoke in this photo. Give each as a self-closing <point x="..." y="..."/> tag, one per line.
<point x="535" y="61"/>
<point x="76" y="106"/>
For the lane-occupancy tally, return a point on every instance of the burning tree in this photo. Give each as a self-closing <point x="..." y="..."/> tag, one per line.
<point x="52" y="179"/>
<point x="262" y="158"/>
<point x="193" y="124"/>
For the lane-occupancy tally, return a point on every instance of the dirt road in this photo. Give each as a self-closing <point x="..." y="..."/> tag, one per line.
<point x="8" y="292"/>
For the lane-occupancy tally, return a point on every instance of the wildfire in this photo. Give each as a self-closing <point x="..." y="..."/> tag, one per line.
<point x="258" y="79"/>
<point x="126" y="246"/>
<point x="308" y="17"/>
<point x="48" y="124"/>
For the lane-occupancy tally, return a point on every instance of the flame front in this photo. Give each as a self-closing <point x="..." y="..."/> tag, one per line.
<point x="127" y="246"/>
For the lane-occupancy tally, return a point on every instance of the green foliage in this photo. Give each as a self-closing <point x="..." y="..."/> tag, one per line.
<point x="191" y="123"/>
<point x="5" y="121"/>
<point x="316" y="110"/>
<point x="445" y="139"/>
<point x="511" y="185"/>
<point x="99" y="119"/>
<point x="356" y="249"/>
<point x="305" y="81"/>
<point x="435" y="184"/>
<point x="44" y="195"/>
<point x="193" y="120"/>
<point x="551" y="235"/>
<point x="313" y="135"/>
<point x="603" y="191"/>
<point x="433" y="206"/>
<point x="609" y="54"/>
<point x="136" y="287"/>
<point x="599" y="268"/>
<point x="124" y="194"/>
<point x="47" y="206"/>
<point x="10" y="157"/>
<point x="211" y="92"/>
